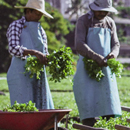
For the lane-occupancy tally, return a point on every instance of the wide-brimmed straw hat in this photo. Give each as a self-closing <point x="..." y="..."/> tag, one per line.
<point x="103" y="5"/>
<point x="38" y="5"/>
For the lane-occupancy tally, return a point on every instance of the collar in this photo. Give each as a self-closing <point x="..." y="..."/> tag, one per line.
<point x="90" y="14"/>
<point x="23" y="20"/>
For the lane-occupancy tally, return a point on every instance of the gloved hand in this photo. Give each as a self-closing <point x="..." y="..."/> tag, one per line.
<point x="110" y="56"/>
<point x="102" y="61"/>
<point x="42" y="58"/>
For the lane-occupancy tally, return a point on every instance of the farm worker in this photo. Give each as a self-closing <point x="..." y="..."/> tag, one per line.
<point x="26" y="36"/>
<point x="96" y="38"/>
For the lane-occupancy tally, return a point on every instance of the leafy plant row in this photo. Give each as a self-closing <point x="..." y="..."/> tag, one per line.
<point x="95" y="71"/>
<point x="110" y="124"/>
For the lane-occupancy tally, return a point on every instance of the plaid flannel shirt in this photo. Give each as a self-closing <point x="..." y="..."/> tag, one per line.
<point x="13" y="36"/>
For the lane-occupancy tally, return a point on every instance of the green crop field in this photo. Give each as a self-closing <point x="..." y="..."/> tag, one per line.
<point x="63" y="96"/>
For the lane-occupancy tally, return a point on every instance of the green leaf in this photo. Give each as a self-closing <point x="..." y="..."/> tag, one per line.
<point x="93" y="69"/>
<point x="115" y="66"/>
<point x="60" y="64"/>
<point x="95" y="72"/>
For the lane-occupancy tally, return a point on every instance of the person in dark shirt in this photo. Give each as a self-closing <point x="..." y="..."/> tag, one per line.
<point x="96" y="38"/>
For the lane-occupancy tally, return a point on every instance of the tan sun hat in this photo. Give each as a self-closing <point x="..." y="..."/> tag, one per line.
<point x="103" y="5"/>
<point x="38" y="5"/>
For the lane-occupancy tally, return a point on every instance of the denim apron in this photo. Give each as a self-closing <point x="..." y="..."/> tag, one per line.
<point x="22" y="88"/>
<point x="94" y="98"/>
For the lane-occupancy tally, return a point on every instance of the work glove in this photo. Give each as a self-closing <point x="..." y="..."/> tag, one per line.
<point x="110" y="56"/>
<point x="42" y="57"/>
<point x="101" y="61"/>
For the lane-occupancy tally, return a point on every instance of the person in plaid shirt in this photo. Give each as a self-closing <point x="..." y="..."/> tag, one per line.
<point x="13" y="35"/>
<point x="27" y="37"/>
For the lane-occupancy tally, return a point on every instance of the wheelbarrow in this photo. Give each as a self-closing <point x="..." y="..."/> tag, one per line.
<point x="42" y="120"/>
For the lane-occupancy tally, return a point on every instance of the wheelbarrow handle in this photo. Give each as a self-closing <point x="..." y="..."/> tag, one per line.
<point x="120" y="127"/>
<point x="85" y="127"/>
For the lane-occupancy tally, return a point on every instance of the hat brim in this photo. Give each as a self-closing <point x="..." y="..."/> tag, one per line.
<point x="44" y="12"/>
<point x="97" y="8"/>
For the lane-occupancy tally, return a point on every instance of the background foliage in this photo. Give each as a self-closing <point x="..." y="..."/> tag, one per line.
<point x="124" y="12"/>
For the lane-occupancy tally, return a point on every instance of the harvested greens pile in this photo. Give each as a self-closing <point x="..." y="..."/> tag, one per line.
<point x="60" y="64"/>
<point x="95" y="71"/>
<point x="21" y="107"/>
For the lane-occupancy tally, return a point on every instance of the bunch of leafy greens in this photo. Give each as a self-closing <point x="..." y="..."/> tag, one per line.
<point x="95" y="71"/>
<point x="33" y="66"/>
<point x="110" y="124"/>
<point x="59" y="65"/>
<point x="23" y="107"/>
<point x="115" y="66"/>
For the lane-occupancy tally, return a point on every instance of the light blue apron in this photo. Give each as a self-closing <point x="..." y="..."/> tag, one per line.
<point x="22" y="88"/>
<point x="94" y="98"/>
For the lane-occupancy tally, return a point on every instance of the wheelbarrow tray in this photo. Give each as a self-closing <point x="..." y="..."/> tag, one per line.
<point x="41" y="120"/>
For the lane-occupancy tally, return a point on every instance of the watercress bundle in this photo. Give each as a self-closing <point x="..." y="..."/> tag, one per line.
<point x="59" y="65"/>
<point x="21" y="107"/>
<point x="115" y="66"/>
<point x="95" y="71"/>
<point x="33" y="66"/>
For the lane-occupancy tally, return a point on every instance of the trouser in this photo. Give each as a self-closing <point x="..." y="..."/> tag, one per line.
<point x="92" y="121"/>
